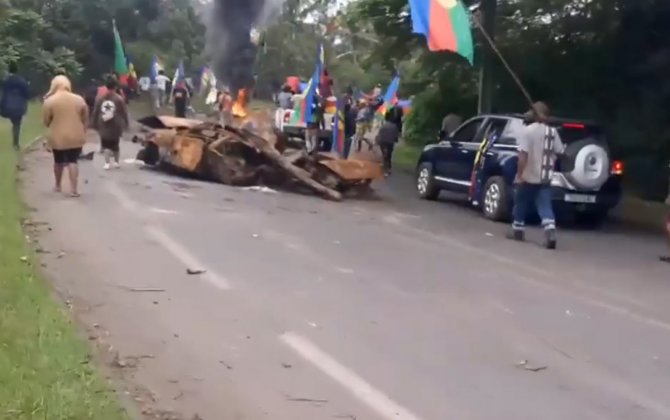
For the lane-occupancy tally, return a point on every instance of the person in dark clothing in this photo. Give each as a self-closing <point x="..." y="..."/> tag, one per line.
<point x="387" y="137"/>
<point x="14" y="102"/>
<point x="110" y="119"/>
<point x="180" y="96"/>
<point x="90" y="95"/>
<point x="350" y="113"/>
<point x="397" y="115"/>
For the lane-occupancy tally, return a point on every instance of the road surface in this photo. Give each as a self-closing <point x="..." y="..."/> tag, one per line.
<point x="382" y="309"/>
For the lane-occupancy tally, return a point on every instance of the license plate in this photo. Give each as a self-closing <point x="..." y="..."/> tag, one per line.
<point x="580" y="198"/>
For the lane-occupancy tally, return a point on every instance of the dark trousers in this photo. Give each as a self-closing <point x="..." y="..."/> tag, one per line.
<point x="387" y="155"/>
<point x="16" y="132"/>
<point x="528" y="195"/>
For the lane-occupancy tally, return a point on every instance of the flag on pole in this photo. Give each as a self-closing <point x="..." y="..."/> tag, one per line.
<point x="120" y="63"/>
<point x="178" y="77"/>
<point x="445" y="24"/>
<point x="303" y="109"/>
<point x="338" y="128"/>
<point x="156" y="66"/>
<point x="206" y="78"/>
<point x="390" y="97"/>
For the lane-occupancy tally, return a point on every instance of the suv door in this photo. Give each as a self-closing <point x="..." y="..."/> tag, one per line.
<point x="453" y="155"/>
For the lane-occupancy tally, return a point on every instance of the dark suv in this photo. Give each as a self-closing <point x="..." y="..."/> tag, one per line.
<point x="587" y="182"/>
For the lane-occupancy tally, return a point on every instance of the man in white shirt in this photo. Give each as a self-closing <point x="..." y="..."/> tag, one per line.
<point x="162" y="81"/>
<point x="539" y="146"/>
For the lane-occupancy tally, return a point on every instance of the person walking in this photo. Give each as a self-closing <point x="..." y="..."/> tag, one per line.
<point x="110" y="119"/>
<point x="387" y="137"/>
<point x="14" y="102"/>
<point x="539" y="145"/>
<point x="66" y="117"/>
<point x="180" y="96"/>
<point x="350" y="113"/>
<point x="313" y="125"/>
<point x="163" y="84"/>
<point x="363" y="124"/>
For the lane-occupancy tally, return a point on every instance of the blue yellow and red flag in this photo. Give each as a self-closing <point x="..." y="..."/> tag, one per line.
<point x="445" y="24"/>
<point x="338" y="128"/>
<point x="303" y="109"/>
<point x="390" y="97"/>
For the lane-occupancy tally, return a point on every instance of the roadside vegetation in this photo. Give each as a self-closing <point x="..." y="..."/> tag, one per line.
<point x="45" y="371"/>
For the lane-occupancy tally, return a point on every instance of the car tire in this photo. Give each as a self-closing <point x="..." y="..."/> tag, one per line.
<point x="496" y="199"/>
<point x="425" y="182"/>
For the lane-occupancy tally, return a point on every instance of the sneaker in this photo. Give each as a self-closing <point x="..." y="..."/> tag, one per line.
<point x="107" y="166"/>
<point x="516" y="235"/>
<point x="550" y="238"/>
<point x="116" y="165"/>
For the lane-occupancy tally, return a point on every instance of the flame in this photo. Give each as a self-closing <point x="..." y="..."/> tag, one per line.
<point x="240" y="104"/>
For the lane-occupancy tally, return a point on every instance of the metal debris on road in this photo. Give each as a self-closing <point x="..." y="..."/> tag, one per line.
<point x="250" y="152"/>
<point x="145" y="289"/>
<point x="525" y="365"/>
<point x="260" y="188"/>
<point x="61" y="255"/>
<point x="193" y="271"/>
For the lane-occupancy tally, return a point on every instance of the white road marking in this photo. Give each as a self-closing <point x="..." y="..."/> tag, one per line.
<point x="373" y="398"/>
<point x="183" y="255"/>
<point x="166" y="241"/>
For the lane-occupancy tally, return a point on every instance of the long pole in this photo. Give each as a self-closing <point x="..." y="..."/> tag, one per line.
<point x="509" y="69"/>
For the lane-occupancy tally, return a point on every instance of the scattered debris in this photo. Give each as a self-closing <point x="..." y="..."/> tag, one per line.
<point x="255" y="235"/>
<point x="489" y="234"/>
<point x="308" y="400"/>
<point x="229" y="367"/>
<point x="260" y="188"/>
<point x="24" y="259"/>
<point x="286" y="365"/>
<point x="61" y="255"/>
<point x="145" y="289"/>
<point x="524" y="365"/>
<point x="250" y="153"/>
<point x="568" y="312"/>
<point x="193" y="272"/>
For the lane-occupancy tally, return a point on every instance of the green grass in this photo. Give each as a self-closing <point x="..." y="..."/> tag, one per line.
<point x="44" y="365"/>
<point x="405" y="156"/>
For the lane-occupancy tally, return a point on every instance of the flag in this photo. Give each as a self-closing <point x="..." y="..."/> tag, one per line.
<point x="445" y="24"/>
<point x="390" y="97"/>
<point x="178" y="73"/>
<point x="206" y="78"/>
<point x="303" y="108"/>
<point x="120" y="64"/>
<point x="338" y="128"/>
<point x="156" y="66"/>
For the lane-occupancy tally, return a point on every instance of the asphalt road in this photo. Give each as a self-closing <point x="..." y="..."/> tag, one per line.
<point x="393" y="308"/>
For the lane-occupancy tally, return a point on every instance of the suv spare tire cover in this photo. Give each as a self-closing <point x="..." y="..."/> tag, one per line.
<point x="586" y="164"/>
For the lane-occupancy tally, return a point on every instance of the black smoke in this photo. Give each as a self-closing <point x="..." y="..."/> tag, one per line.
<point x="230" y="45"/>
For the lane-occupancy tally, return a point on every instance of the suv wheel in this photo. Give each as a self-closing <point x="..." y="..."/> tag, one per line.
<point x="425" y="182"/>
<point x="495" y="203"/>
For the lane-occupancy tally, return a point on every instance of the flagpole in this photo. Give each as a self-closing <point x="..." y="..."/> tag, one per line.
<point x="517" y="80"/>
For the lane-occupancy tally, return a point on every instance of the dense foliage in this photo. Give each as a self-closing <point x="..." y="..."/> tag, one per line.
<point x="608" y="60"/>
<point x="76" y="35"/>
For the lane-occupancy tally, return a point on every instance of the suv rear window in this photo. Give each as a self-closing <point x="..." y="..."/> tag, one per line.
<point x="573" y="132"/>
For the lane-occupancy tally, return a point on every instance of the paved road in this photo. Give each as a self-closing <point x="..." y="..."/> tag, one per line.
<point x="383" y="309"/>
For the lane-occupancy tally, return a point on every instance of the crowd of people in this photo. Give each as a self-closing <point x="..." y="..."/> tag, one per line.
<point x="361" y="116"/>
<point x="68" y="117"/>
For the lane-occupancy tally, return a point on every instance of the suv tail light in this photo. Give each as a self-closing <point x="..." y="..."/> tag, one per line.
<point x="287" y="116"/>
<point x="574" y="126"/>
<point x="617" y="167"/>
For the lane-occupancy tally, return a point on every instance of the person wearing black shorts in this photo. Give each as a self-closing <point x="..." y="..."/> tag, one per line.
<point x="110" y="119"/>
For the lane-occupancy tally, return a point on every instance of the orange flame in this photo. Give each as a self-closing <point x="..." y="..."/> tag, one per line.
<point x="240" y="104"/>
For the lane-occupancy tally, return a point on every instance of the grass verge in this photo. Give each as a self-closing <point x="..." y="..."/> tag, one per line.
<point x="45" y="371"/>
<point x="405" y="157"/>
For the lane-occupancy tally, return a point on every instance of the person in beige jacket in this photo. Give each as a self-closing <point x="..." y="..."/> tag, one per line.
<point x="66" y="117"/>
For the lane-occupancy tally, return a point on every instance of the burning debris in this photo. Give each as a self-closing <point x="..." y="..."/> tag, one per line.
<point x="250" y="152"/>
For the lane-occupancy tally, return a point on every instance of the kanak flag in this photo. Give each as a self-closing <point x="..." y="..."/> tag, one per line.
<point x="445" y="24"/>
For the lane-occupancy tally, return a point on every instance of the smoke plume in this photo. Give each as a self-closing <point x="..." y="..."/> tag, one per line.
<point x="230" y="46"/>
